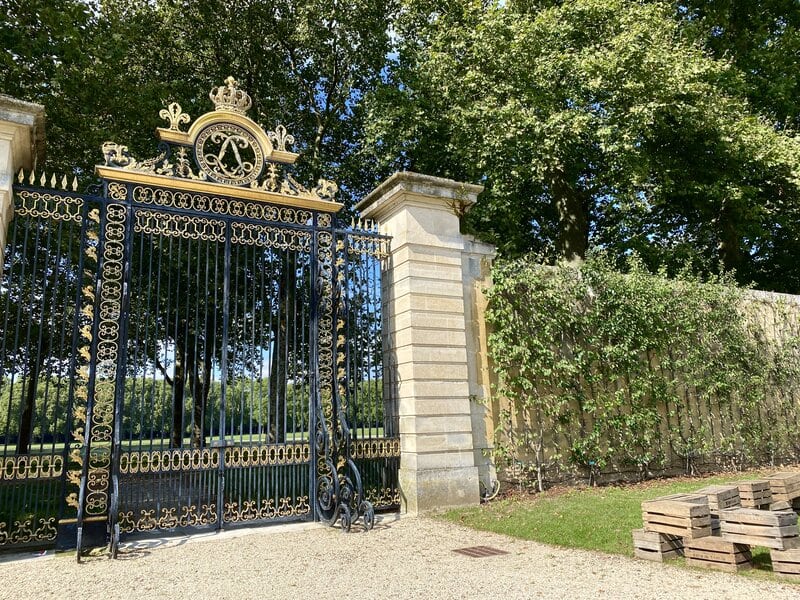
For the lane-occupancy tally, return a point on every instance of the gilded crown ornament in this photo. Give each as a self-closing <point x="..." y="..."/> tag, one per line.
<point x="223" y="147"/>
<point x="230" y="98"/>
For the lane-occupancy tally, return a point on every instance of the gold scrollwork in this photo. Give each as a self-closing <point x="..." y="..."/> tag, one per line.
<point x="49" y="206"/>
<point x="146" y="519"/>
<point x="24" y="532"/>
<point x="251" y="510"/>
<point x="229" y="154"/>
<point x="368" y="245"/>
<point x="272" y="454"/>
<point x="159" y="461"/>
<point x="223" y="207"/>
<point x="99" y="467"/>
<point x="117" y="191"/>
<point x="383" y="497"/>
<point x="377" y="448"/>
<point x="183" y="226"/>
<point x="31" y="466"/>
<point x="271" y="237"/>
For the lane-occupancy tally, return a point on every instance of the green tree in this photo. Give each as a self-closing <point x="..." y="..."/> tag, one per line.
<point x="589" y="122"/>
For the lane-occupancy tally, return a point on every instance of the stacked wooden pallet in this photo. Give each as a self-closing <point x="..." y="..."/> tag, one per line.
<point x="755" y="494"/>
<point x="754" y="527"/>
<point x="684" y="515"/>
<point x="716" y="526"/>
<point x="717" y="553"/>
<point x="785" y="486"/>
<point x="719" y="497"/>
<point x="651" y="545"/>
<point x="786" y="563"/>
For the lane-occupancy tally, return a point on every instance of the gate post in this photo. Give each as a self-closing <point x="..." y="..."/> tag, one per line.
<point x="426" y="349"/>
<point x="21" y="136"/>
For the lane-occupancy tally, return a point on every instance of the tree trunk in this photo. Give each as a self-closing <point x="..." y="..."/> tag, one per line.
<point x="573" y="219"/>
<point x="26" y="418"/>
<point x="729" y="247"/>
<point x="201" y="387"/>
<point x="178" y="394"/>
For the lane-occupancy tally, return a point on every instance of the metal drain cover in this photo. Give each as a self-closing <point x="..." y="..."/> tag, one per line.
<point x="480" y="551"/>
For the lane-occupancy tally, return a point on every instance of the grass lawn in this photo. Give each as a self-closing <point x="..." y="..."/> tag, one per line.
<point x="599" y="518"/>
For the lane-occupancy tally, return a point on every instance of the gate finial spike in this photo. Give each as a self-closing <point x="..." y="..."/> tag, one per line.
<point x="75" y="183"/>
<point x="53" y="181"/>
<point x="64" y="182"/>
<point x="21" y="176"/>
<point x="43" y="179"/>
<point x="32" y="178"/>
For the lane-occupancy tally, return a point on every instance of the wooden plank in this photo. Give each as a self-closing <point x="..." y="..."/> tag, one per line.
<point x="754" y="485"/>
<point x="657" y="542"/>
<point x="784" y="478"/>
<point x="685" y="532"/>
<point x="721" y="496"/>
<point x="759" y="530"/>
<point x="677" y="521"/>
<point x="719" y="566"/>
<point x="752" y="516"/>
<point x="717" y="556"/>
<point x="785" y="556"/>
<point x="766" y="542"/>
<point x="676" y="508"/>
<point x="716" y="544"/>
<point x="788" y="576"/>
<point x="780" y="567"/>
<point x="655" y="556"/>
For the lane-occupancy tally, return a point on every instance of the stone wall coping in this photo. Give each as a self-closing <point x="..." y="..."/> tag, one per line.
<point x="27" y="116"/>
<point x="424" y="189"/>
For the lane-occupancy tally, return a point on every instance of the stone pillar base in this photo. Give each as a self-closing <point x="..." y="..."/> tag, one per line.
<point x="435" y="489"/>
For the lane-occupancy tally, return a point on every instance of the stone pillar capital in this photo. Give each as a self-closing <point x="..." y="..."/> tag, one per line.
<point x="21" y="132"/>
<point x="404" y="189"/>
<point x="21" y="144"/>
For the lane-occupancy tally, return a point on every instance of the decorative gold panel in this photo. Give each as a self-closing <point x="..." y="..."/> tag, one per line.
<point x="183" y="226"/>
<point x="383" y="497"/>
<point x="102" y="418"/>
<point x="32" y="466"/>
<point x="250" y="510"/>
<point x="160" y="461"/>
<point x="25" y="532"/>
<point x="271" y="237"/>
<point x="168" y="518"/>
<point x="49" y="206"/>
<point x="377" y="448"/>
<point x="273" y="454"/>
<point x="368" y="245"/>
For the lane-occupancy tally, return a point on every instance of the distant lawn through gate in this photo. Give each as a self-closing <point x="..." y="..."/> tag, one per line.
<point x="596" y="518"/>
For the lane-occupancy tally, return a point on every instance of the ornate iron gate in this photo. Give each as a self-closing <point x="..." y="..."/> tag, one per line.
<point x="208" y="340"/>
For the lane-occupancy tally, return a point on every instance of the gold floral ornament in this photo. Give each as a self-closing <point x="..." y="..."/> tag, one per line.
<point x="221" y="148"/>
<point x="175" y="116"/>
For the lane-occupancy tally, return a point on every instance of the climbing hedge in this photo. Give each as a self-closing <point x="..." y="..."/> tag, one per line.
<point x="602" y="373"/>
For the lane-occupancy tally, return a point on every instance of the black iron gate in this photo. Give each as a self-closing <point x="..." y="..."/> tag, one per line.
<point x="191" y="348"/>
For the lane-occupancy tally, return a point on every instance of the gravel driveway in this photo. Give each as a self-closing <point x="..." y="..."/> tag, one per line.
<point x="400" y="558"/>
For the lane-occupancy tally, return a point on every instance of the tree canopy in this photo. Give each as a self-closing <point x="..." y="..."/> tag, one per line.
<point x="664" y="128"/>
<point x="592" y="123"/>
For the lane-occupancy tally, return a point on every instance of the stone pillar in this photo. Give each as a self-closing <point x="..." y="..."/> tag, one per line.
<point x="21" y="136"/>
<point x="426" y="336"/>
